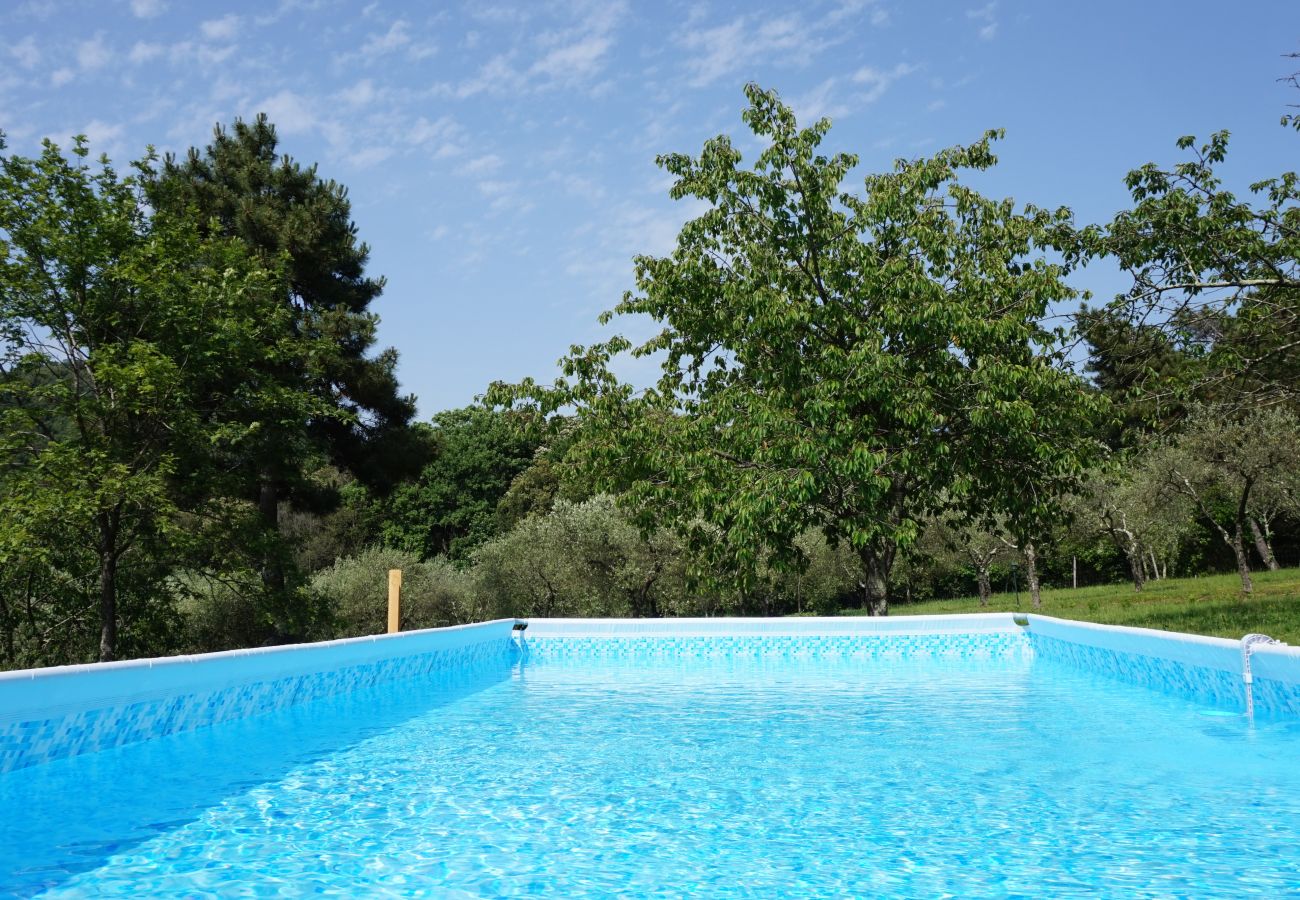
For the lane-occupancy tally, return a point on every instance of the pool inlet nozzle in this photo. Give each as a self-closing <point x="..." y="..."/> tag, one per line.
<point x="1248" y="645"/>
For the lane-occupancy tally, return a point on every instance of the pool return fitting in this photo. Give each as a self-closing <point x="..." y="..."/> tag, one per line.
<point x="1248" y="645"/>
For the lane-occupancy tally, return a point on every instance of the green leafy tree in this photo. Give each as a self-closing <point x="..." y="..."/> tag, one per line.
<point x="126" y="340"/>
<point x="452" y="506"/>
<point x="846" y="362"/>
<point x="1212" y="272"/>
<point x="242" y="186"/>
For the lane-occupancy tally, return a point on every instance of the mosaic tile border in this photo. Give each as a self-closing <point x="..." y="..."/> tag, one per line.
<point x="1199" y="668"/>
<point x="1170" y="676"/>
<point x="985" y="645"/>
<point x="56" y="730"/>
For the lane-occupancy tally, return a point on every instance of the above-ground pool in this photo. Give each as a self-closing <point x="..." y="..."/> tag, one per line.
<point x="964" y="757"/>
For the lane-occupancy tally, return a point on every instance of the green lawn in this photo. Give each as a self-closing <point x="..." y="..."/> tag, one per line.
<point x="1209" y="605"/>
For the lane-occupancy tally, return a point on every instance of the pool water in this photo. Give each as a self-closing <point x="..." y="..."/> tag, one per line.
<point x="719" y="778"/>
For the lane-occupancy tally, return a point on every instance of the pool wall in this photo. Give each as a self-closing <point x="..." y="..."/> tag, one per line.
<point x="979" y="635"/>
<point x="47" y="714"/>
<point x="1203" y="668"/>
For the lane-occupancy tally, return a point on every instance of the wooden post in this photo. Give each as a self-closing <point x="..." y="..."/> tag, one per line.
<point x="394" y="600"/>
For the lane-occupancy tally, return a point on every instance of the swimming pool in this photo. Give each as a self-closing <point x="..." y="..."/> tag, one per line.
<point x="832" y="758"/>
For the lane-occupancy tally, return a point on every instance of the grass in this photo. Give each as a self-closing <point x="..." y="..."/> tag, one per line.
<point x="1212" y="604"/>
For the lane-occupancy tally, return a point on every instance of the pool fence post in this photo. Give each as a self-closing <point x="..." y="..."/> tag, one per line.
<point x="394" y="600"/>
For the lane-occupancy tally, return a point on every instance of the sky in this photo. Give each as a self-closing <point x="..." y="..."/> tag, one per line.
<point x="500" y="157"/>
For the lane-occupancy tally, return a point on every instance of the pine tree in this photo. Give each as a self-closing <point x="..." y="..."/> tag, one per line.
<point x="241" y="187"/>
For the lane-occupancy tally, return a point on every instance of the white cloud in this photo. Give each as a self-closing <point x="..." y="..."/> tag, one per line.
<point x="727" y="49"/>
<point x="817" y="103"/>
<point x="93" y="54"/>
<point x="877" y="81"/>
<point x="395" y="38"/>
<point x="369" y="156"/>
<point x="224" y="29"/>
<point x="100" y="133"/>
<point x="442" y="136"/>
<point x="573" y="55"/>
<point x="144" y="52"/>
<point x="574" y="61"/>
<point x="290" y="113"/>
<point x="148" y="9"/>
<point x="60" y="77"/>
<point x="481" y="165"/>
<point x="26" y="53"/>
<point x="985" y="14"/>
<point x="362" y="93"/>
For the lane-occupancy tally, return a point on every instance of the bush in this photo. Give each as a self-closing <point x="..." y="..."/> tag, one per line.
<point x="355" y="589"/>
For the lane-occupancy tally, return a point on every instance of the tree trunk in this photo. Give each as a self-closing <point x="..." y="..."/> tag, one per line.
<point x="1243" y="564"/>
<point x="268" y="508"/>
<point x="986" y="588"/>
<point x="875" y="581"/>
<point x="1031" y="572"/>
<point x="107" y="587"/>
<point x="1074" y="572"/>
<point x="1136" y="569"/>
<point x="1262" y="546"/>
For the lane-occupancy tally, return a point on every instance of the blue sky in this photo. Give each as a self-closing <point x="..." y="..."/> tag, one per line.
<point x="500" y="156"/>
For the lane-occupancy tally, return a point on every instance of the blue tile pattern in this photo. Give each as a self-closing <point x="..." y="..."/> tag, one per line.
<point x="1201" y="683"/>
<point x="29" y="742"/>
<point x="1281" y="698"/>
<point x="977" y="645"/>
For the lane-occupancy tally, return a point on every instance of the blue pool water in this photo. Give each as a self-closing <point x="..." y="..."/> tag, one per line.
<point x="720" y="778"/>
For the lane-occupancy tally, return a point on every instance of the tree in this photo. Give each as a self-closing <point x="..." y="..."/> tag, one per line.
<point x="1220" y="461"/>
<point x="452" y="506"/>
<point x="972" y="546"/>
<point x="832" y="360"/>
<point x="1213" y="272"/>
<point x="1141" y="371"/>
<point x="245" y="190"/>
<point x="584" y="559"/>
<point x="127" y="339"/>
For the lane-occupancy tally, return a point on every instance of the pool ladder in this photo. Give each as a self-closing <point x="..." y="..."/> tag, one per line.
<point x="1248" y="645"/>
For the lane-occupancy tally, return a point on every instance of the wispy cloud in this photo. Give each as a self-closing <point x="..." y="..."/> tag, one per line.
<point x="877" y="81"/>
<point x="224" y="29"/>
<point x="481" y="165"/>
<point x="26" y="53"/>
<point x="724" y="50"/>
<point x="148" y="9"/>
<point x="574" y="54"/>
<point x="985" y="19"/>
<point x="145" y="51"/>
<point x="93" y="54"/>
<point x="291" y="112"/>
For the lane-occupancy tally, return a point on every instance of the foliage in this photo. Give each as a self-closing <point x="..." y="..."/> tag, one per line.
<point x="1213" y="271"/>
<point x="356" y="590"/>
<point x="452" y="506"/>
<point x="583" y="559"/>
<point x="126" y="342"/>
<point x="836" y="361"/>
<point x="1222" y="458"/>
<point x="241" y="188"/>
